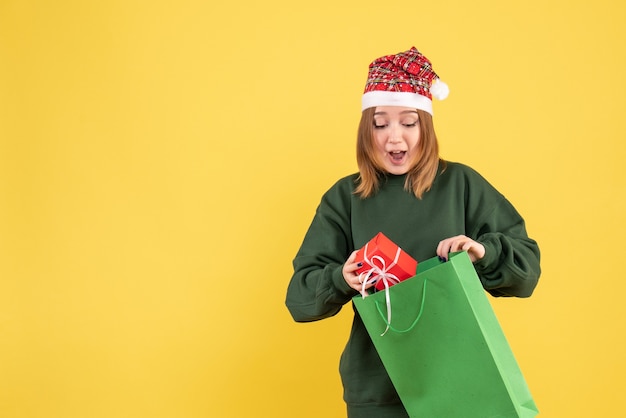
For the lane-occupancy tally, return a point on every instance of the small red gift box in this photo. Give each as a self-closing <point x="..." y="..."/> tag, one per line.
<point x="383" y="261"/>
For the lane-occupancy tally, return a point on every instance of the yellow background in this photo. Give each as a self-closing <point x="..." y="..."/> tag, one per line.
<point x="160" y="162"/>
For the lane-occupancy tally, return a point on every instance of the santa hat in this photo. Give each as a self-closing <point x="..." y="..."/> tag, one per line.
<point x="406" y="79"/>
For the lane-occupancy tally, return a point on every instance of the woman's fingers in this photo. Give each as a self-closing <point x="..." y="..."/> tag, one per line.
<point x="475" y="250"/>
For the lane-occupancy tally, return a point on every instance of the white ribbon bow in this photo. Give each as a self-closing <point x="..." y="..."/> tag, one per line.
<point x="380" y="272"/>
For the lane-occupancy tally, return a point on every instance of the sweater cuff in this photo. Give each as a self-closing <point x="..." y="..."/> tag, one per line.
<point x="490" y="258"/>
<point x="341" y="285"/>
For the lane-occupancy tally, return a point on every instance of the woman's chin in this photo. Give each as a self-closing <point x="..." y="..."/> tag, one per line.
<point x="397" y="169"/>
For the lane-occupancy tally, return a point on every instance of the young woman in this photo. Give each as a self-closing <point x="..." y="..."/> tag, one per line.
<point x="427" y="206"/>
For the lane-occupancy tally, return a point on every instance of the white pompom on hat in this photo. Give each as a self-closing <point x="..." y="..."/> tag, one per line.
<point x="404" y="79"/>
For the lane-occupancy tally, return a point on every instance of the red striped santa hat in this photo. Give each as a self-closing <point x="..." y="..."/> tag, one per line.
<point x="405" y="79"/>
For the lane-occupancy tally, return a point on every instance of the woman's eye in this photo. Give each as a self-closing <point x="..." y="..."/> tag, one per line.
<point x="381" y="126"/>
<point x="410" y="125"/>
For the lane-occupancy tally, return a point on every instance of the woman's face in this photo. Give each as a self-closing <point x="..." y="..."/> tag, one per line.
<point x="396" y="135"/>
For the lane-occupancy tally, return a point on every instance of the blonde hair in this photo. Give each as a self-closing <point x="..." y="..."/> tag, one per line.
<point x="423" y="171"/>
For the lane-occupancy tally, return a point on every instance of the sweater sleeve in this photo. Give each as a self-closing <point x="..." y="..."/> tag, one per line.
<point x="511" y="263"/>
<point x="317" y="289"/>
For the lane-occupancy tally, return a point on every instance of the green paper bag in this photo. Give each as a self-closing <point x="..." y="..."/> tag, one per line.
<point x="444" y="349"/>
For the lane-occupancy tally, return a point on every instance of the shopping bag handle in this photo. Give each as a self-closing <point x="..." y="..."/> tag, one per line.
<point x="419" y="314"/>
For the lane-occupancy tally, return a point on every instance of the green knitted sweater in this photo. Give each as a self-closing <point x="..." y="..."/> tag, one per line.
<point x="459" y="202"/>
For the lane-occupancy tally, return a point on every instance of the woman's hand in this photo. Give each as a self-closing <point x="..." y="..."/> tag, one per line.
<point x="349" y="275"/>
<point x="474" y="249"/>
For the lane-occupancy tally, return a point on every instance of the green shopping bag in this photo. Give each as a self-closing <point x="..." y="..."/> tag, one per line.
<point x="444" y="349"/>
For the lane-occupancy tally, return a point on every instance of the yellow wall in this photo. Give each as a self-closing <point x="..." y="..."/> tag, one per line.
<point x="160" y="162"/>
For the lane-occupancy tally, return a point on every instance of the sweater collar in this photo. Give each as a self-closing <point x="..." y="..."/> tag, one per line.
<point x="392" y="180"/>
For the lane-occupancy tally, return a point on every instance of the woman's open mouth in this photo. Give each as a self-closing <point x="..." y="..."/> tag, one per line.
<point x="397" y="157"/>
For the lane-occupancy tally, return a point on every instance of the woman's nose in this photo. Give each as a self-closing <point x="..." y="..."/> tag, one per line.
<point x="395" y="137"/>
